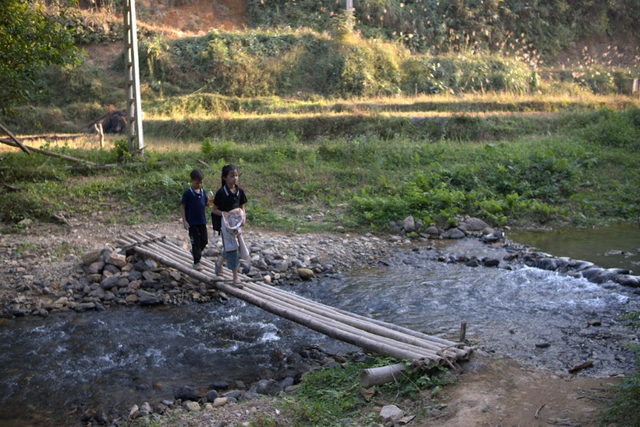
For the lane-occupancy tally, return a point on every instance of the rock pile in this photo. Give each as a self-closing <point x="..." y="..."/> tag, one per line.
<point x="213" y="397"/>
<point x="108" y="277"/>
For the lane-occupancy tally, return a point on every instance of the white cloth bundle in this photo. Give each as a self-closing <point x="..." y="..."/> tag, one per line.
<point x="231" y="231"/>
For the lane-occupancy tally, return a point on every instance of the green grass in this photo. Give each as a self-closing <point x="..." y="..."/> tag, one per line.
<point x="577" y="168"/>
<point x="331" y="397"/>
<point x="623" y="410"/>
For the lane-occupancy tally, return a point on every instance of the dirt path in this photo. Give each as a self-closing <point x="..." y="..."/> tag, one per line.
<point x="503" y="393"/>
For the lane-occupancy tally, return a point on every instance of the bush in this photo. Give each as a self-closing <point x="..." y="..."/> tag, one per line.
<point x="614" y="129"/>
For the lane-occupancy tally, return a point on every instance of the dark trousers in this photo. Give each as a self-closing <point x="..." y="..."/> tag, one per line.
<point x="199" y="240"/>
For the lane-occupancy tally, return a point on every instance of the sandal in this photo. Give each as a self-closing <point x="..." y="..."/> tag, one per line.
<point x="238" y="285"/>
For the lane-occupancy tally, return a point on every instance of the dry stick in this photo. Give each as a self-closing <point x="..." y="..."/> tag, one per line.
<point x="15" y="140"/>
<point x="209" y="265"/>
<point x="112" y="165"/>
<point x="326" y="311"/>
<point x="169" y="250"/>
<point x="538" y="411"/>
<point x="49" y="153"/>
<point x="359" y="321"/>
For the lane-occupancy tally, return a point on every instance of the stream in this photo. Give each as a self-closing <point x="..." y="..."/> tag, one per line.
<point x="52" y="368"/>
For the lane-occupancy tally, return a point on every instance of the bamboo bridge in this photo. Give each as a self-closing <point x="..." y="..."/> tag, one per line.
<point x="369" y="334"/>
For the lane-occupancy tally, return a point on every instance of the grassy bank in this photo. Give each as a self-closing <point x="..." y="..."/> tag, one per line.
<point x="576" y="168"/>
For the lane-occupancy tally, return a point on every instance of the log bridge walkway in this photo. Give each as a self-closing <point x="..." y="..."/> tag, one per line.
<point x="369" y="334"/>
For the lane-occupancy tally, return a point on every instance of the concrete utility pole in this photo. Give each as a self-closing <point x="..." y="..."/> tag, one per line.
<point x="134" y="105"/>
<point x="350" y="9"/>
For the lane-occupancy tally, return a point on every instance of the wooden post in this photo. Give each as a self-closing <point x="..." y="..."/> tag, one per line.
<point x="100" y="132"/>
<point x="463" y="331"/>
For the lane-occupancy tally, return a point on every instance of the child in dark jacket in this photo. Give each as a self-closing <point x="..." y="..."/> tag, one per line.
<point x="194" y="219"/>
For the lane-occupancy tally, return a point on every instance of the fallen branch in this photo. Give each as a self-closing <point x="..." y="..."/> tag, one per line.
<point x="11" y="187"/>
<point x="14" y="139"/>
<point x="47" y="153"/>
<point x="580" y="367"/>
<point x="62" y="219"/>
<point x="112" y="165"/>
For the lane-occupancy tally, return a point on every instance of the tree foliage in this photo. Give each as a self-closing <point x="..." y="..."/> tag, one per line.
<point x="31" y="37"/>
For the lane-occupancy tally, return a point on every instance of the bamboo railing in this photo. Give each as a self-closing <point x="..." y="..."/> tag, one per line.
<point x="369" y="334"/>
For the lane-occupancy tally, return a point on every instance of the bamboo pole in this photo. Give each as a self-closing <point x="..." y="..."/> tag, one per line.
<point x="381" y="375"/>
<point x="309" y="305"/>
<point x="365" y="342"/>
<point x="303" y="311"/>
<point x="324" y="312"/>
<point x="313" y="308"/>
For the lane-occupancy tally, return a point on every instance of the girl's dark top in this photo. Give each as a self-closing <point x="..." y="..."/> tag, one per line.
<point x="225" y="200"/>
<point x="194" y="204"/>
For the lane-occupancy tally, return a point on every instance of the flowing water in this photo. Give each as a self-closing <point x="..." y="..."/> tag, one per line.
<point x="111" y="360"/>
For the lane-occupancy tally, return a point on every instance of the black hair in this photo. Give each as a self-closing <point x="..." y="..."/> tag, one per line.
<point x="226" y="170"/>
<point x="196" y="174"/>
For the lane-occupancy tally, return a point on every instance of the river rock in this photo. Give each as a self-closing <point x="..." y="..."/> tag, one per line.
<point x="592" y="274"/>
<point x="92" y="256"/>
<point x="305" y="273"/>
<point x="134" y="412"/>
<point x="147" y="298"/>
<point x="391" y="413"/>
<point x="409" y="224"/>
<point x="145" y="409"/>
<point x="187" y="392"/>
<point x="220" y="401"/>
<point x="95" y="267"/>
<point x="109" y="282"/>
<point x="432" y="231"/>
<point x="626" y="280"/>
<point x="268" y="387"/>
<point x="490" y="262"/>
<point x="581" y="265"/>
<point x="454" y="233"/>
<point x="192" y="406"/>
<point x="84" y="306"/>
<point x="474" y="224"/>
<point x="212" y="395"/>
<point x="116" y="259"/>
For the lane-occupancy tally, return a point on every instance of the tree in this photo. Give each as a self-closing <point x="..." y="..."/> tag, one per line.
<point x="31" y="37"/>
